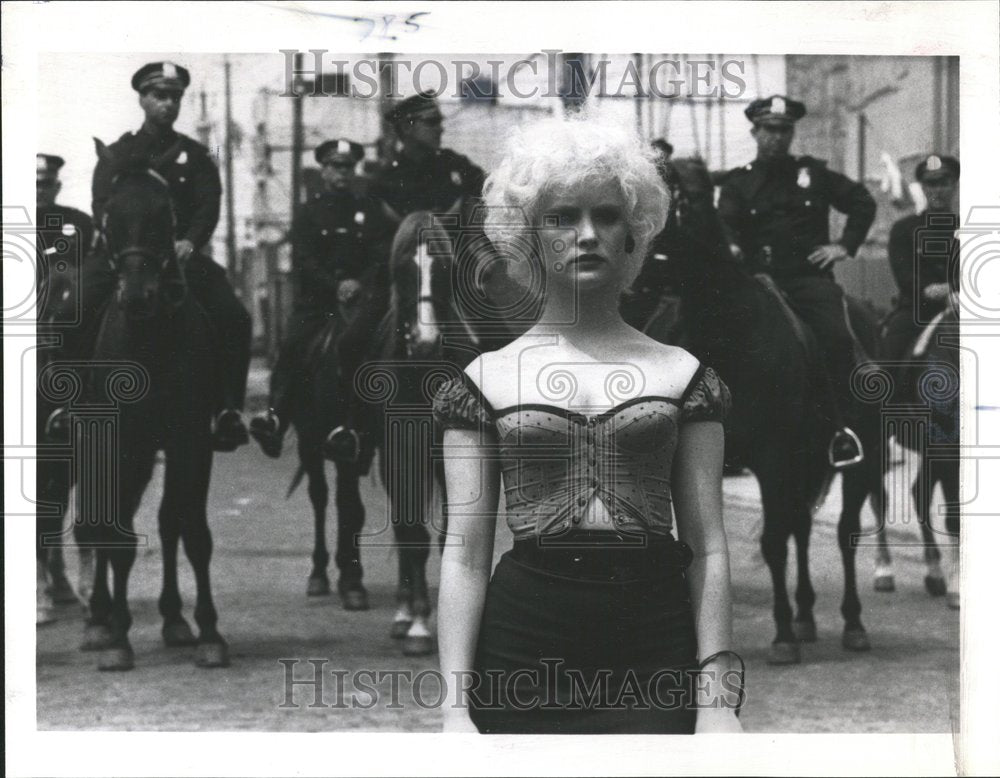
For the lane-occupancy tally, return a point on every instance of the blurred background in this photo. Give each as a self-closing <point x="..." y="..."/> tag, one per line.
<point x="869" y="117"/>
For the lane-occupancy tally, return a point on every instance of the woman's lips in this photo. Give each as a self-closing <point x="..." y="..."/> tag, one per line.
<point x="588" y="261"/>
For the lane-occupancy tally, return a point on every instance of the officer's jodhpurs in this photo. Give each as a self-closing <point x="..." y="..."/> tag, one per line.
<point x="819" y="301"/>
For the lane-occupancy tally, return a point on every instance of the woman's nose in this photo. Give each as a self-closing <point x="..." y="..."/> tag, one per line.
<point x="586" y="234"/>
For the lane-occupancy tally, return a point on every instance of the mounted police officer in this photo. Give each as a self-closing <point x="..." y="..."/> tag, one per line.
<point x="340" y="245"/>
<point x="195" y="192"/>
<point x="422" y="176"/>
<point x="776" y="214"/>
<point x="63" y="235"/>
<point x="62" y="239"/>
<point x="920" y="249"/>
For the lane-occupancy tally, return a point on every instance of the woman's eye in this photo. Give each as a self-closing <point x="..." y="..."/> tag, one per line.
<point x="607" y="215"/>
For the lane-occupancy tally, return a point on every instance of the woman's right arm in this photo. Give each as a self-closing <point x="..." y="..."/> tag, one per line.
<point x="472" y="477"/>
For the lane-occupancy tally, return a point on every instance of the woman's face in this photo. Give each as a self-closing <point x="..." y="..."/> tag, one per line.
<point x="583" y="234"/>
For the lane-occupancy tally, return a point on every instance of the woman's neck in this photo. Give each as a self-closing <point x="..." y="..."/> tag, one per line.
<point x="588" y="318"/>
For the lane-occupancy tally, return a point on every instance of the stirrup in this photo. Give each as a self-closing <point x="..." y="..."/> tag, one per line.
<point x="57" y="424"/>
<point x="342" y="445"/>
<point x="229" y="432"/>
<point x="853" y="440"/>
<point x="265" y="428"/>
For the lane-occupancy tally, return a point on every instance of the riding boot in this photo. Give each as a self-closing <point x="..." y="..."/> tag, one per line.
<point x="844" y="449"/>
<point x="269" y="428"/>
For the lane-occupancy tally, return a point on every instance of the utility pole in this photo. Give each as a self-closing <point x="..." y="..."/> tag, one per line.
<point x="297" y="139"/>
<point x="230" y="216"/>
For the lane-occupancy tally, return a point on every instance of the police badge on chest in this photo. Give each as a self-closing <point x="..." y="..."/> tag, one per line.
<point x="804" y="180"/>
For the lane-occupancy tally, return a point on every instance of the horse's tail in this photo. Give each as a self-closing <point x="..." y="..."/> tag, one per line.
<point x="300" y="473"/>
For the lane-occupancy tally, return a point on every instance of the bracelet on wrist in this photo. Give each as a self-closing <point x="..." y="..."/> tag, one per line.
<point x="742" y="674"/>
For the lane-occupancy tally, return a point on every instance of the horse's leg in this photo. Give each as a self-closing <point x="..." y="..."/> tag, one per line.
<point x="885" y="578"/>
<point x="923" y="492"/>
<point x="176" y="631"/>
<point x="319" y="496"/>
<point x="856" y="486"/>
<point x="777" y="507"/>
<point x="136" y="471"/>
<point x="97" y="629"/>
<point x="804" y="625"/>
<point x="949" y="478"/>
<point x="350" y="520"/>
<point x="195" y="461"/>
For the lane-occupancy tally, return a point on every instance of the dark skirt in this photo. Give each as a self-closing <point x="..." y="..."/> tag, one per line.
<point x="587" y="639"/>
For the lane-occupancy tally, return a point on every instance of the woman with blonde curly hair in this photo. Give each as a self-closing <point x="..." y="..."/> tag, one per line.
<point x="598" y="619"/>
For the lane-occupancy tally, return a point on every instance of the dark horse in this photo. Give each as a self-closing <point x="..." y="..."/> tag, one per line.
<point x="924" y="417"/>
<point x="781" y="419"/>
<point x="153" y="368"/>
<point x="422" y="341"/>
<point x="54" y="476"/>
<point x="323" y="402"/>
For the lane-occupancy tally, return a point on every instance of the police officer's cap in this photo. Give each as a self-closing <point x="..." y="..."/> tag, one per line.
<point x="165" y="75"/>
<point x="48" y="163"/>
<point x="340" y="147"/>
<point x="776" y="109"/>
<point x="421" y="104"/>
<point x="937" y="166"/>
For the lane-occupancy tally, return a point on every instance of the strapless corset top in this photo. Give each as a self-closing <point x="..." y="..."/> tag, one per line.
<point x="556" y="461"/>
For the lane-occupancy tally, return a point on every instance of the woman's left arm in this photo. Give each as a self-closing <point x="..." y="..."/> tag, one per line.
<point x="697" y="496"/>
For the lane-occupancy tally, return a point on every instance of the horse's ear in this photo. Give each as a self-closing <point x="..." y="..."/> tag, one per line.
<point x="103" y="152"/>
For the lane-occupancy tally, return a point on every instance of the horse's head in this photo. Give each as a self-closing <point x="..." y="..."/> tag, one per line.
<point x="421" y="254"/>
<point x="138" y="232"/>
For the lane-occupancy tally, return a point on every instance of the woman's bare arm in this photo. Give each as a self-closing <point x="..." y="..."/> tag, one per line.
<point x="697" y="496"/>
<point x="472" y="475"/>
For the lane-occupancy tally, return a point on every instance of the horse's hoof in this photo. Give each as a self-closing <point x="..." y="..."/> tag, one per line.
<point x="885" y="583"/>
<point x="212" y="655"/>
<point x="856" y="639"/>
<point x="953" y="600"/>
<point x="96" y="637"/>
<point x="805" y="631"/>
<point x="784" y="654"/>
<point x="399" y="629"/>
<point x="418" y="645"/>
<point x="61" y="591"/>
<point x="936" y="587"/>
<point x="116" y="659"/>
<point x="354" y="598"/>
<point x="178" y="633"/>
<point x="319" y="586"/>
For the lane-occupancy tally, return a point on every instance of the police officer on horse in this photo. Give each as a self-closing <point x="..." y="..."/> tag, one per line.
<point x="923" y="272"/>
<point x="64" y="234"/>
<point x="422" y="176"/>
<point x="776" y="214"/>
<point x="195" y="193"/>
<point x="340" y="245"/>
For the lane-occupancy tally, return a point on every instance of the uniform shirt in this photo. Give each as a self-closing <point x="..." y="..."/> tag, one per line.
<point x="919" y="254"/>
<point x="555" y="461"/>
<point x="63" y="238"/>
<point x="195" y="188"/>
<point x="778" y="211"/>
<point x="339" y="235"/>
<point x="433" y="184"/>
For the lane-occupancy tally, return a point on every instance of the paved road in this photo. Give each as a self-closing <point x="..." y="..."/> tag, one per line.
<point x="907" y="683"/>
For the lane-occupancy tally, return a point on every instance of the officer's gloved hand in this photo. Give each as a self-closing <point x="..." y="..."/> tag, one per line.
<point x="184" y="249"/>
